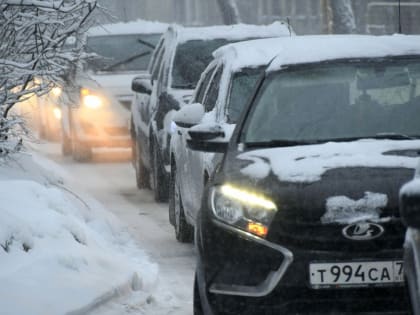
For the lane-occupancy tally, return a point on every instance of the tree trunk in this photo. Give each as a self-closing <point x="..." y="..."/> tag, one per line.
<point x="343" y="21"/>
<point x="230" y="11"/>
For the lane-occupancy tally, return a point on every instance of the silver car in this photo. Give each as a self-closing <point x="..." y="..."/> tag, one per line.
<point x="221" y="94"/>
<point x="99" y="111"/>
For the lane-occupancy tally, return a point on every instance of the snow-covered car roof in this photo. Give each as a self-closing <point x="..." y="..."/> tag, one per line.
<point x="248" y="54"/>
<point x="309" y="49"/>
<point x="134" y="27"/>
<point x="232" y="32"/>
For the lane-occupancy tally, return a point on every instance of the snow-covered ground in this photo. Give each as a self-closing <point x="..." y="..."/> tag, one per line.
<point x="63" y="252"/>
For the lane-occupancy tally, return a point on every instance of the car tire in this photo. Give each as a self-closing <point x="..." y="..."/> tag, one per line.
<point x="171" y="206"/>
<point x="81" y="152"/>
<point x="66" y="145"/>
<point x="160" y="186"/>
<point x="198" y="308"/>
<point x="184" y="232"/>
<point x="142" y="174"/>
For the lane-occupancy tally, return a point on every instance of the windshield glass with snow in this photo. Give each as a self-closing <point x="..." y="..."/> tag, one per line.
<point x="336" y="101"/>
<point x="191" y="59"/>
<point x="121" y="52"/>
<point x="243" y="84"/>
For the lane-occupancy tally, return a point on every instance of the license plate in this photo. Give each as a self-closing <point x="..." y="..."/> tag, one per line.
<point x="355" y="273"/>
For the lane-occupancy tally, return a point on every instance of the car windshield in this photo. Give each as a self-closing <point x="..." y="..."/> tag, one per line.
<point x="242" y="86"/>
<point x="191" y="58"/>
<point x="121" y="52"/>
<point x="337" y="101"/>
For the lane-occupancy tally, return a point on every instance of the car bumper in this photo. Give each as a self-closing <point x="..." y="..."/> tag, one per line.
<point x="242" y="275"/>
<point x="101" y="132"/>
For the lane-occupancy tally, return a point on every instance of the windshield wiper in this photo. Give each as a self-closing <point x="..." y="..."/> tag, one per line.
<point x="127" y="60"/>
<point x="378" y="136"/>
<point x="278" y="143"/>
<point x="289" y="143"/>
<point x="146" y="43"/>
<point x="394" y="136"/>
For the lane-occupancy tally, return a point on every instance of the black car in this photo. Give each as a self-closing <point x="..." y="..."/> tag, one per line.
<point x="410" y="214"/>
<point x="301" y="216"/>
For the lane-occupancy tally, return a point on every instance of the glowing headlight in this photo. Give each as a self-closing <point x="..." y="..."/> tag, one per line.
<point x="57" y="113"/>
<point x="92" y="101"/>
<point x="56" y="91"/>
<point x="242" y="208"/>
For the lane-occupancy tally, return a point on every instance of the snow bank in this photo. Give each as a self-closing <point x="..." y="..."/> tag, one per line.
<point x="60" y="252"/>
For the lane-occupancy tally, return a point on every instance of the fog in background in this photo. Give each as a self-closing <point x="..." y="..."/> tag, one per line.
<point x="305" y="16"/>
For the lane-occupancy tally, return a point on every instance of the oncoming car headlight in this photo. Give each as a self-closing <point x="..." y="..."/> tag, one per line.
<point x="91" y="100"/>
<point x="242" y="208"/>
<point x="56" y="91"/>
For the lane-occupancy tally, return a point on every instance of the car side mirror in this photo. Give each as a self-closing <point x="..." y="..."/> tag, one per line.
<point x="410" y="204"/>
<point x="189" y="115"/>
<point x="208" y="138"/>
<point x="141" y="85"/>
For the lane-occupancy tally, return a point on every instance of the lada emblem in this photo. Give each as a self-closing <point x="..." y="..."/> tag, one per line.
<point x="363" y="231"/>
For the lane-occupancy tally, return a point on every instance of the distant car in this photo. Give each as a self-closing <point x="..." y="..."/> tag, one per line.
<point x="410" y="213"/>
<point x="180" y="58"/>
<point x="220" y="96"/>
<point x="302" y="213"/>
<point x="100" y="103"/>
<point x="49" y="114"/>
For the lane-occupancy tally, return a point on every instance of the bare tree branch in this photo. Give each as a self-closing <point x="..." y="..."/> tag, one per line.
<point x="34" y="56"/>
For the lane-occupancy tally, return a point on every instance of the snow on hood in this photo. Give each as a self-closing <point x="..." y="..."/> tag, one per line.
<point x="307" y="163"/>
<point x="307" y="49"/>
<point x="232" y="32"/>
<point x="134" y="27"/>
<point x="344" y="210"/>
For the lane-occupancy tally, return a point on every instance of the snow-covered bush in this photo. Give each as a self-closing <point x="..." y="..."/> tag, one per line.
<point x="35" y="54"/>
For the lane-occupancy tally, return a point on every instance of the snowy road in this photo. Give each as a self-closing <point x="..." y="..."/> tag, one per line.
<point x="110" y="179"/>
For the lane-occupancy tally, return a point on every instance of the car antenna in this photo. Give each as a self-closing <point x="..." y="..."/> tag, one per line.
<point x="399" y="18"/>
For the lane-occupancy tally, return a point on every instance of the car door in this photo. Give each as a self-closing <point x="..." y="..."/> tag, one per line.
<point x="196" y="176"/>
<point x="145" y="105"/>
<point x="180" y="140"/>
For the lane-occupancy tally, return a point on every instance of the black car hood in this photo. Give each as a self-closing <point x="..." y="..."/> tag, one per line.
<point x="328" y="183"/>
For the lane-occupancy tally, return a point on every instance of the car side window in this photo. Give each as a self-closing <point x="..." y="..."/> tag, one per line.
<point x="202" y="88"/>
<point x="213" y="91"/>
<point x="155" y="56"/>
<point x="158" y="65"/>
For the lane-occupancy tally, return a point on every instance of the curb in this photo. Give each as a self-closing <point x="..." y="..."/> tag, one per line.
<point x="113" y="293"/>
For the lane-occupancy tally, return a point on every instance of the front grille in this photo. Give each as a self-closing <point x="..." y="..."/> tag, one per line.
<point x="247" y="262"/>
<point x="329" y="237"/>
<point x="116" y="131"/>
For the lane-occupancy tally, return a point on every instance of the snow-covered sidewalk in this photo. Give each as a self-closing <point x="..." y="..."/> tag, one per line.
<point x="61" y="252"/>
